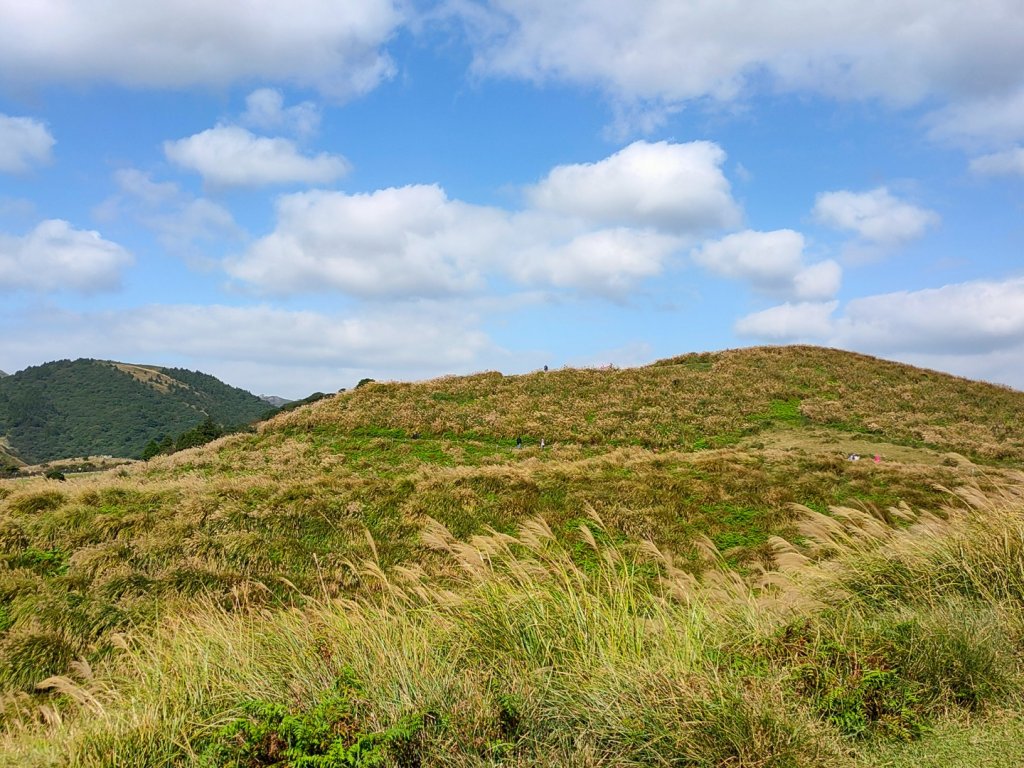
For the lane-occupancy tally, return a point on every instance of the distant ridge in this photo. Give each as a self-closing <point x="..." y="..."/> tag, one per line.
<point x="274" y="400"/>
<point x="89" y="407"/>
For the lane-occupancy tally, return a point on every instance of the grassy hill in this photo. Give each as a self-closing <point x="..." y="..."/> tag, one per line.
<point x="689" y="572"/>
<point x="697" y="401"/>
<point x="95" y="407"/>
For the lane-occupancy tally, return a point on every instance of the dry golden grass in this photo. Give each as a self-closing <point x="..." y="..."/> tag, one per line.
<point x="154" y="378"/>
<point x="693" y="401"/>
<point x="245" y="531"/>
<point x="528" y="657"/>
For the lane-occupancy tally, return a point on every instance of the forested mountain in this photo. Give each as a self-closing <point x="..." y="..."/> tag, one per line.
<point x="95" y="407"/>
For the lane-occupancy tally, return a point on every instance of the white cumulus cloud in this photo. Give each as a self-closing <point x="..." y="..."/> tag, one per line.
<point x="598" y="228"/>
<point x="876" y="216"/>
<point x="408" y="241"/>
<point x="24" y="143"/>
<point x="607" y="262"/>
<point x="232" y="156"/>
<point x="675" y="187"/>
<point x="56" y="257"/>
<point x="992" y="118"/>
<point x="179" y="220"/>
<point x="963" y="318"/>
<point x="772" y="262"/>
<point x="336" y="47"/>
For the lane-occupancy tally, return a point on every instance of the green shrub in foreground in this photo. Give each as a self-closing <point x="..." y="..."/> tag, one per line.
<point x="326" y="736"/>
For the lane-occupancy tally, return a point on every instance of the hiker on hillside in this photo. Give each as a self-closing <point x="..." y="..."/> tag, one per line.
<point x="519" y="442"/>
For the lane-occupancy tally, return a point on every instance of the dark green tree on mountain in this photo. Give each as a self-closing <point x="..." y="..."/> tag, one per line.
<point x="201" y="434"/>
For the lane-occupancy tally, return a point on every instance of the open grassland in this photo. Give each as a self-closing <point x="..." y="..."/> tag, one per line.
<point x="870" y="643"/>
<point x="689" y="573"/>
<point x="693" y="402"/>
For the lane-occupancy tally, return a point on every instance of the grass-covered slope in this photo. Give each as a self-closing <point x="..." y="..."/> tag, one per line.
<point x="93" y="407"/>
<point x="383" y="576"/>
<point x="696" y="401"/>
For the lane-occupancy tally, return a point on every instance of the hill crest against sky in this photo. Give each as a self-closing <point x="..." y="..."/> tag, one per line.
<point x="692" y="401"/>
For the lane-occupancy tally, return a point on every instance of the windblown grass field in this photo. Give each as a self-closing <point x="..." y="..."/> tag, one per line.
<point x="689" y="573"/>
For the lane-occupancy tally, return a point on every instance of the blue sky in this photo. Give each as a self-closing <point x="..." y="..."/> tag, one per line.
<point x="293" y="197"/>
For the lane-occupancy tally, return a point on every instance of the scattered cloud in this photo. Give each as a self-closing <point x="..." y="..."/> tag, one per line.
<point x="772" y="262"/>
<point x="597" y="228"/>
<point x="876" y="216"/>
<point x="661" y="53"/>
<point x="337" y="48"/>
<point x="964" y="318"/>
<point x="407" y="241"/>
<point x="1008" y="163"/>
<point x="265" y="109"/>
<point x="281" y="351"/>
<point x="991" y="119"/>
<point x="56" y="257"/>
<point x="179" y="220"/>
<point x="974" y="328"/>
<point x="141" y="186"/>
<point x="24" y="143"/>
<point x="230" y="156"/>
<point x="673" y="187"/>
<point x="607" y="262"/>
<point x="193" y="221"/>
<point x="802" y="321"/>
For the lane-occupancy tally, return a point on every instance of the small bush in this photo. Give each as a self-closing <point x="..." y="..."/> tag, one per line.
<point x="46" y="562"/>
<point x="326" y="736"/>
<point x="850" y="685"/>
<point x="738" y="729"/>
<point x="958" y="653"/>
<point x="37" y="502"/>
<point x="32" y="656"/>
<point x="12" y="536"/>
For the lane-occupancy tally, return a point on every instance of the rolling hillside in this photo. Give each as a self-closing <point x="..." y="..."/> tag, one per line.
<point x="689" y="572"/>
<point x="94" y="407"/>
<point x="694" y="402"/>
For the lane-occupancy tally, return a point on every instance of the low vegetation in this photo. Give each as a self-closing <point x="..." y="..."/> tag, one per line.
<point x="696" y="575"/>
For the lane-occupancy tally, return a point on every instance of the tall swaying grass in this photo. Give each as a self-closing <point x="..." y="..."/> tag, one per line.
<point x="102" y="555"/>
<point x="872" y="630"/>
